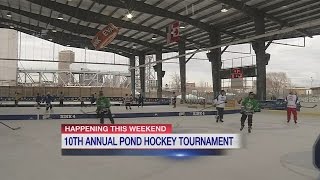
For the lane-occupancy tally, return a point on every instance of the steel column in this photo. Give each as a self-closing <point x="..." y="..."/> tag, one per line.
<point x="182" y="63"/>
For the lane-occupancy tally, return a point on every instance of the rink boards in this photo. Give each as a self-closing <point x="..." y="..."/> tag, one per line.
<point x="115" y="115"/>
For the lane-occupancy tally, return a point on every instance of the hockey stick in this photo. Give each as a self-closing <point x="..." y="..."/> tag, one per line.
<point x="87" y="112"/>
<point x="309" y="107"/>
<point x="210" y="106"/>
<point x="10" y="126"/>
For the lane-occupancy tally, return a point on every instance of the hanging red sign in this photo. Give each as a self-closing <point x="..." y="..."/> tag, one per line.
<point x="173" y="32"/>
<point x="105" y="36"/>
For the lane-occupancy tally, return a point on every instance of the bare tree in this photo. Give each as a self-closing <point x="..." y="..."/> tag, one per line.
<point x="175" y="81"/>
<point x="277" y="83"/>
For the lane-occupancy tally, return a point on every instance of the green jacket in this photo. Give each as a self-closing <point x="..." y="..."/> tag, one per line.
<point x="249" y="106"/>
<point x="103" y="102"/>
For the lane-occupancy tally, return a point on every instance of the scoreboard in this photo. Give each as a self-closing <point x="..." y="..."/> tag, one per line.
<point x="238" y="72"/>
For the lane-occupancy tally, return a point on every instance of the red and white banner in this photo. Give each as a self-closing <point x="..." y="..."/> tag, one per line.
<point x="173" y="32"/>
<point x="105" y="36"/>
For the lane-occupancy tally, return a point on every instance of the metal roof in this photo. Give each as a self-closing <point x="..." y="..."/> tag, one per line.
<point x="82" y="19"/>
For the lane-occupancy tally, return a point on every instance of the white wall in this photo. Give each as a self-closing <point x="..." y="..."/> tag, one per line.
<point x="8" y="49"/>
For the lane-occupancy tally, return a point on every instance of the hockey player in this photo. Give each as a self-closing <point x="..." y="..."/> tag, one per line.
<point x="127" y="101"/>
<point x="248" y="107"/>
<point x="61" y="99"/>
<point x="92" y="99"/>
<point x="103" y="107"/>
<point x="48" y="100"/>
<point x="16" y="99"/>
<point x="81" y="99"/>
<point x="140" y="100"/>
<point x="174" y="99"/>
<point x="220" y="103"/>
<point x="38" y="100"/>
<point x="292" y="102"/>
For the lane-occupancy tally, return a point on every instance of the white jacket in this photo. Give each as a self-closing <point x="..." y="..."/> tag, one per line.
<point x="220" y="101"/>
<point x="292" y="101"/>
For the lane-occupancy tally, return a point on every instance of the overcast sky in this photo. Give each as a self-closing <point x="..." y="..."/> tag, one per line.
<point x="300" y="63"/>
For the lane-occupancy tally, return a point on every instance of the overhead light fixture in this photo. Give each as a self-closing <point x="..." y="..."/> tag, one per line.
<point x="12" y="27"/>
<point x="60" y="17"/>
<point x="9" y="14"/>
<point x="224" y="9"/>
<point x="284" y="7"/>
<point x="50" y="39"/>
<point x="68" y="45"/>
<point x="54" y="30"/>
<point x="134" y="46"/>
<point x="129" y="15"/>
<point x="154" y="37"/>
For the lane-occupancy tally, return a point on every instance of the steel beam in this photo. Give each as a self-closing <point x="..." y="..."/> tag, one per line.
<point x="182" y="65"/>
<point x="214" y="57"/>
<point x="259" y="48"/>
<point x="90" y="16"/>
<point x="132" y="60"/>
<point x="75" y="28"/>
<point x="253" y="12"/>
<point x="153" y="10"/>
<point x="142" y="73"/>
<point x="159" y="73"/>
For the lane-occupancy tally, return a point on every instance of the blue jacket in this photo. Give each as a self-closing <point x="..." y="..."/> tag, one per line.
<point x="38" y="98"/>
<point x="48" y="99"/>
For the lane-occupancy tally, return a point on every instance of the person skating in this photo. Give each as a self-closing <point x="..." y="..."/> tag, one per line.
<point x="220" y="103"/>
<point x="16" y="99"/>
<point x="81" y="99"/>
<point x="127" y="101"/>
<point x="248" y="107"/>
<point x="174" y="99"/>
<point x="61" y="99"/>
<point x="292" y="102"/>
<point x="140" y="100"/>
<point x="92" y="99"/>
<point x="103" y="107"/>
<point x="48" y="100"/>
<point x="38" y="100"/>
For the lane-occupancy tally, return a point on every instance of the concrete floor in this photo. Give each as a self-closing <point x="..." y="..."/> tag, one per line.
<point x="274" y="151"/>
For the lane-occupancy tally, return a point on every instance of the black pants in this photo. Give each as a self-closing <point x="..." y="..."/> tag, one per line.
<point x="82" y="104"/>
<point x="48" y="106"/>
<point x="61" y="103"/>
<point x="16" y="103"/>
<point x="220" y="112"/>
<point x="102" y="116"/>
<point x="128" y="105"/>
<point x="244" y="117"/>
<point x="140" y="103"/>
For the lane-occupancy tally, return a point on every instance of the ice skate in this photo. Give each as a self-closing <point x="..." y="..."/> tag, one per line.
<point x="249" y="129"/>
<point x="241" y="128"/>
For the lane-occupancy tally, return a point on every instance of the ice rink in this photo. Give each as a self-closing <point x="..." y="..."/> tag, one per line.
<point x="274" y="151"/>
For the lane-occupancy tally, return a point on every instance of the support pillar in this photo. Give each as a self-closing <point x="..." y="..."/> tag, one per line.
<point x="214" y="57"/>
<point x="142" y="73"/>
<point x="182" y="64"/>
<point x="133" y="75"/>
<point x="159" y="73"/>
<point x="260" y="50"/>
